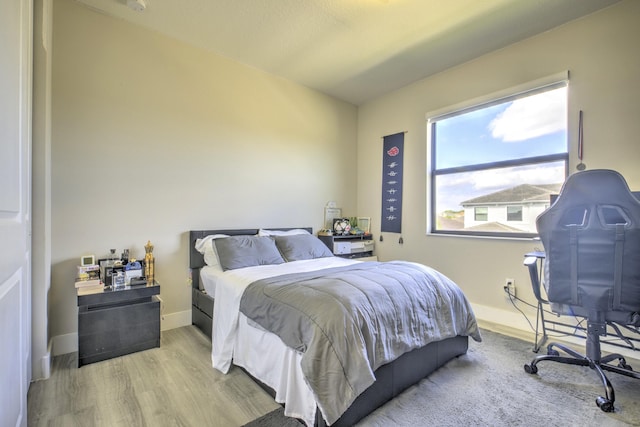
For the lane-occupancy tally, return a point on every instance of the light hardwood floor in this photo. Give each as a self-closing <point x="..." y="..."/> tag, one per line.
<point x="174" y="385"/>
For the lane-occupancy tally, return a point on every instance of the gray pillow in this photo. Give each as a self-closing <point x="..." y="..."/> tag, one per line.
<point x="247" y="251"/>
<point x="302" y="246"/>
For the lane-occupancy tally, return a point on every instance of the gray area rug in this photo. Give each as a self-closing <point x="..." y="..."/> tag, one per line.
<point x="488" y="387"/>
<point x="273" y="419"/>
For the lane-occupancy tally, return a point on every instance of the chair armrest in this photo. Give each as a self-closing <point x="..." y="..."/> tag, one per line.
<point x="531" y="262"/>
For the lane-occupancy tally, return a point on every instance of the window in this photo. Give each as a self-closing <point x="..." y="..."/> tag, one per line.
<point x="494" y="164"/>
<point x="514" y="213"/>
<point x="481" y="213"/>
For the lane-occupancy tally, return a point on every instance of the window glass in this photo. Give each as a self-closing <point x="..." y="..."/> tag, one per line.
<point x="481" y="213"/>
<point x="514" y="213"/>
<point x="495" y="165"/>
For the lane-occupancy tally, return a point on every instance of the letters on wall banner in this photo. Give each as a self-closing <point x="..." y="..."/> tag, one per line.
<point x="392" y="165"/>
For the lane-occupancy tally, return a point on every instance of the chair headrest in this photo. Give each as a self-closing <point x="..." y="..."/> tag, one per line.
<point x="591" y="235"/>
<point x="599" y="194"/>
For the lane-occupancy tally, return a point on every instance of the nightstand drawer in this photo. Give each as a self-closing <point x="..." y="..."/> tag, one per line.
<point x="116" y="326"/>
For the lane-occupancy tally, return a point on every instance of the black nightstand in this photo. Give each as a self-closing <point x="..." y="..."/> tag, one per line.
<point x="115" y="322"/>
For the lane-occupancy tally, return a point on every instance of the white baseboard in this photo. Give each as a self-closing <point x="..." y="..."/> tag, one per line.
<point x="503" y="321"/>
<point x="514" y="324"/>
<point x="46" y="362"/>
<point x="68" y="343"/>
<point x="175" y="320"/>
<point x="41" y="368"/>
<point x="63" y="344"/>
<point x="45" y="367"/>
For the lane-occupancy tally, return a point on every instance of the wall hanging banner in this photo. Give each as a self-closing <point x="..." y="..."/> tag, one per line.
<point x="392" y="165"/>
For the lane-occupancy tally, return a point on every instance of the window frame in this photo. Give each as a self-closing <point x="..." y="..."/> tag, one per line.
<point x="538" y="86"/>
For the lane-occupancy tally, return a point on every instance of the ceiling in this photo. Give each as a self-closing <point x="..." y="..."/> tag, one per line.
<point x="354" y="50"/>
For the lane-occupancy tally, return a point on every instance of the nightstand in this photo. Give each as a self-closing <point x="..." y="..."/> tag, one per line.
<point x="350" y="246"/>
<point x="115" y="322"/>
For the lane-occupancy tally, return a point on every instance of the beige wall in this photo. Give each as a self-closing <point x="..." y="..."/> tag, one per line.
<point x="601" y="53"/>
<point x="152" y="138"/>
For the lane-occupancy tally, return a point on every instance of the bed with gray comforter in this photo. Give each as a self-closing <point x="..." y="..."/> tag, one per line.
<point x="349" y="321"/>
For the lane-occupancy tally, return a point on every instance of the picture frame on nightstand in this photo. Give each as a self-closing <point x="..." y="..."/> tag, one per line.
<point x="364" y="224"/>
<point x="331" y="214"/>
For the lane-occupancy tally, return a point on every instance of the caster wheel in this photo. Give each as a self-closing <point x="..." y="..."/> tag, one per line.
<point x="530" y="369"/>
<point x="605" y="404"/>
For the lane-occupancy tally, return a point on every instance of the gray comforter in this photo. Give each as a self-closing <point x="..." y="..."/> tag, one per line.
<point x="348" y="321"/>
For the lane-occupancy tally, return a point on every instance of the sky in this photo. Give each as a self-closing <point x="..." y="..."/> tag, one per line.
<point x="526" y="127"/>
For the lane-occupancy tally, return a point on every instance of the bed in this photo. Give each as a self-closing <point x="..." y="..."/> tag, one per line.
<point x="221" y="308"/>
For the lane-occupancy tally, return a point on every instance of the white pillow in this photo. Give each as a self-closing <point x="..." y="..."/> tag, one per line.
<point x="265" y="232"/>
<point x="206" y="247"/>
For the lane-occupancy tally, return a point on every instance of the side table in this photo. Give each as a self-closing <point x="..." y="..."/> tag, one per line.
<point x="117" y="321"/>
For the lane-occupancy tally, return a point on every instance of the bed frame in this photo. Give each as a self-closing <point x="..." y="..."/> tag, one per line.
<point x="391" y="379"/>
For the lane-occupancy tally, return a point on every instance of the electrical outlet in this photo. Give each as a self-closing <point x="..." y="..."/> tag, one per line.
<point x="510" y="287"/>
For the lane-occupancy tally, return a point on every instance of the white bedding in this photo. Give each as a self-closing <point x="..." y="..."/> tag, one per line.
<point x="261" y="353"/>
<point x="209" y="278"/>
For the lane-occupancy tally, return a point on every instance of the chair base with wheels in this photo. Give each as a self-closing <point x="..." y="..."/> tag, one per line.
<point x="592" y="360"/>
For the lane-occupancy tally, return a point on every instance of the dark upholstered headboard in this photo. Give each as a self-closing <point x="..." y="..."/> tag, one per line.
<point x="196" y="259"/>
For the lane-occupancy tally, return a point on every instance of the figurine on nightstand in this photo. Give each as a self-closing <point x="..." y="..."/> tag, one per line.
<point x="148" y="263"/>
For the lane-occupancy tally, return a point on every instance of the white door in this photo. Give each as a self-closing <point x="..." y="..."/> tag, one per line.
<point x="15" y="221"/>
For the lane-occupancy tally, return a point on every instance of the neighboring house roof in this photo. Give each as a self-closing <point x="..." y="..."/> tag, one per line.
<point x="524" y="193"/>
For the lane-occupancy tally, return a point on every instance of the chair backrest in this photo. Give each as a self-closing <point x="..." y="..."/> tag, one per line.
<point x="591" y="236"/>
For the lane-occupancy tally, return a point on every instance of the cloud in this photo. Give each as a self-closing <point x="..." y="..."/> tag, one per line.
<point x="509" y="177"/>
<point x="531" y="117"/>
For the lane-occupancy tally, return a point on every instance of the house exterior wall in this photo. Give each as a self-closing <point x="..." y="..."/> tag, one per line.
<point x="498" y="213"/>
